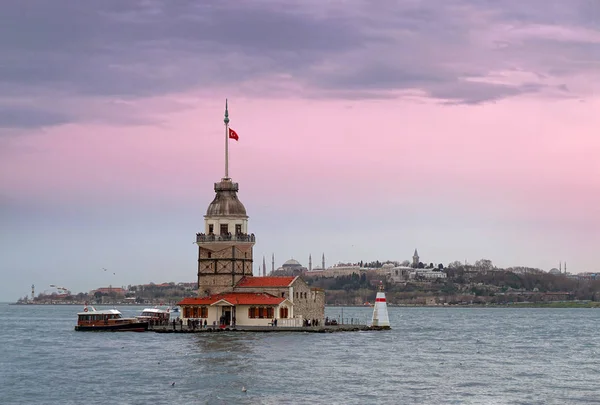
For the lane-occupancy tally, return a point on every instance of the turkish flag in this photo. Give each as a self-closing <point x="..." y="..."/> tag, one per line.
<point x="233" y="134"/>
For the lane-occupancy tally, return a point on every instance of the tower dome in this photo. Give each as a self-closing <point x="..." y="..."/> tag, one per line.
<point x="226" y="202"/>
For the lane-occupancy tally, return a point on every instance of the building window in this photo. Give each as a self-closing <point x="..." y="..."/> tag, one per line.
<point x="224" y="229"/>
<point x="209" y="254"/>
<point x="238" y="229"/>
<point x="203" y="312"/>
<point x="282" y="295"/>
<point x="261" y="312"/>
<point x="283" y="312"/>
<point x="211" y="228"/>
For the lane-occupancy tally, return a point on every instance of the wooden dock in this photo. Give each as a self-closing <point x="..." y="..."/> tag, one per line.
<point x="267" y="329"/>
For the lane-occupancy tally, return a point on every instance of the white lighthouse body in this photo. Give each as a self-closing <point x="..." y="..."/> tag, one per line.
<point x="380" y="312"/>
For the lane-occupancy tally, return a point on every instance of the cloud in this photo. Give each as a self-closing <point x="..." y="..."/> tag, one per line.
<point x="20" y="117"/>
<point x="132" y="50"/>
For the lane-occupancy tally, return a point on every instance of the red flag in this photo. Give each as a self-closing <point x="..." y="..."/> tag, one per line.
<point x="233" y="134"/>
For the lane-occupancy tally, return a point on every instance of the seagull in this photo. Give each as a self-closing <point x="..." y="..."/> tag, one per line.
<point x="103" y="269"/>
<point x="173" y="384"/>
<point x="114" y="274"/>
<point x="243" y="389"/>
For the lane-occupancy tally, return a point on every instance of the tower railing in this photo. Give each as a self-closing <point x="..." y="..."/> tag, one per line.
<point x="229" y="237"/>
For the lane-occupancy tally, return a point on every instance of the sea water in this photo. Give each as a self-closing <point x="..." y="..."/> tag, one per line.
<point x="431" y="356"/>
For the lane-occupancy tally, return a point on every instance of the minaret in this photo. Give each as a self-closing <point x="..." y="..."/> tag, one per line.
<point x="272" y="263"/>
<point x="264" y="268"/>
<point x="416" y="259"/>
<point x="565" y="267"/>
<point x="225" y="246"/>
<point x="560" y="267"/>
<point x="309" y="262"/>
<point x="323" y="261"/>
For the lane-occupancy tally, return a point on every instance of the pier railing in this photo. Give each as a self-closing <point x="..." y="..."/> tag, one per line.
<point x="211" y="237"/>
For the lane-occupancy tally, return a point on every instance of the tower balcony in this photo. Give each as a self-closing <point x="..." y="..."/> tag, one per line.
<point x="226" y="238"/>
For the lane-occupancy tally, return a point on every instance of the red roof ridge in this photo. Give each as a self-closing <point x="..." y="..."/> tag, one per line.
<point x="235" y="298"/>
<point x="269" y="281"/>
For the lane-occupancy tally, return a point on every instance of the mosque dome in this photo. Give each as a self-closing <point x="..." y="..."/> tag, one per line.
<point x="226" y="202"/>
<point x="554" y="271"/>
<point x="292" y="262"/>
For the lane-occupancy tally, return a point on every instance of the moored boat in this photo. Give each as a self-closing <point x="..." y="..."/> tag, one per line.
<point x="107" y="320"/>
<point x="154" y="316"/>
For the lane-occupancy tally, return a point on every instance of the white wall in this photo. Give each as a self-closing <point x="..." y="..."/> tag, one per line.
<point x="231" y="222"/>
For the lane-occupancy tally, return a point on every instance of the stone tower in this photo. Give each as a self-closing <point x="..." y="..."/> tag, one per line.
<point x="415" y="258"/>
<point x="225" y="246"/>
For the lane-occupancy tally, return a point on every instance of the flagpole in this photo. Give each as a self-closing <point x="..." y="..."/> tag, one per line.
<point x="226" y="121"/>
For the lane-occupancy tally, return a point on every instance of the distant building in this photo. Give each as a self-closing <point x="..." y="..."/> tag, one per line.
<point x="415" y="261"/>
<point x="290" y="268"/>
<point x="116" y="291"/>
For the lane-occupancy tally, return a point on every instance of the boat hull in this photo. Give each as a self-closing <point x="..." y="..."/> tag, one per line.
<point x="122" y="327"/>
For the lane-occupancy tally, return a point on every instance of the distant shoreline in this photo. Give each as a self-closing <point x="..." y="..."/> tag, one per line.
<point x="555" y="304"/>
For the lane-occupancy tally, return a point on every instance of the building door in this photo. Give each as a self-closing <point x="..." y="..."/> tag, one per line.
<point x="226" y="316"/>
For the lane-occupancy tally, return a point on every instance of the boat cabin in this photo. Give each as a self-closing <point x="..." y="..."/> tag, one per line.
<point x="97" y="318"/>
<point x="156" y="315"/>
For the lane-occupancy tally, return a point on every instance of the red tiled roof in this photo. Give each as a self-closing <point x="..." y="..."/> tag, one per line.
<point x="235" y="298"/>
<point x="265" y="281"/>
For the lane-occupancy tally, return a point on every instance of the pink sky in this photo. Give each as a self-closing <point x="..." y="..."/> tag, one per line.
<point x="463" y="129"/>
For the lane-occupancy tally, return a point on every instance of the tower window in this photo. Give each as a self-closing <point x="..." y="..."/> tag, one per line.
<point x="211" y="228"/>
<point x="224" y="229"/>
<point x="209" y="254"/>
<point x="238" y="229"/>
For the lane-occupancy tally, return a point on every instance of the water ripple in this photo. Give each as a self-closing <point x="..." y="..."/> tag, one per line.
<point x="432" y="356"/>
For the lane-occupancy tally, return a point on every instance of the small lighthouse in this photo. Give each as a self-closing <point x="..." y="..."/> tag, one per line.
<point x="380" y="312"/>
